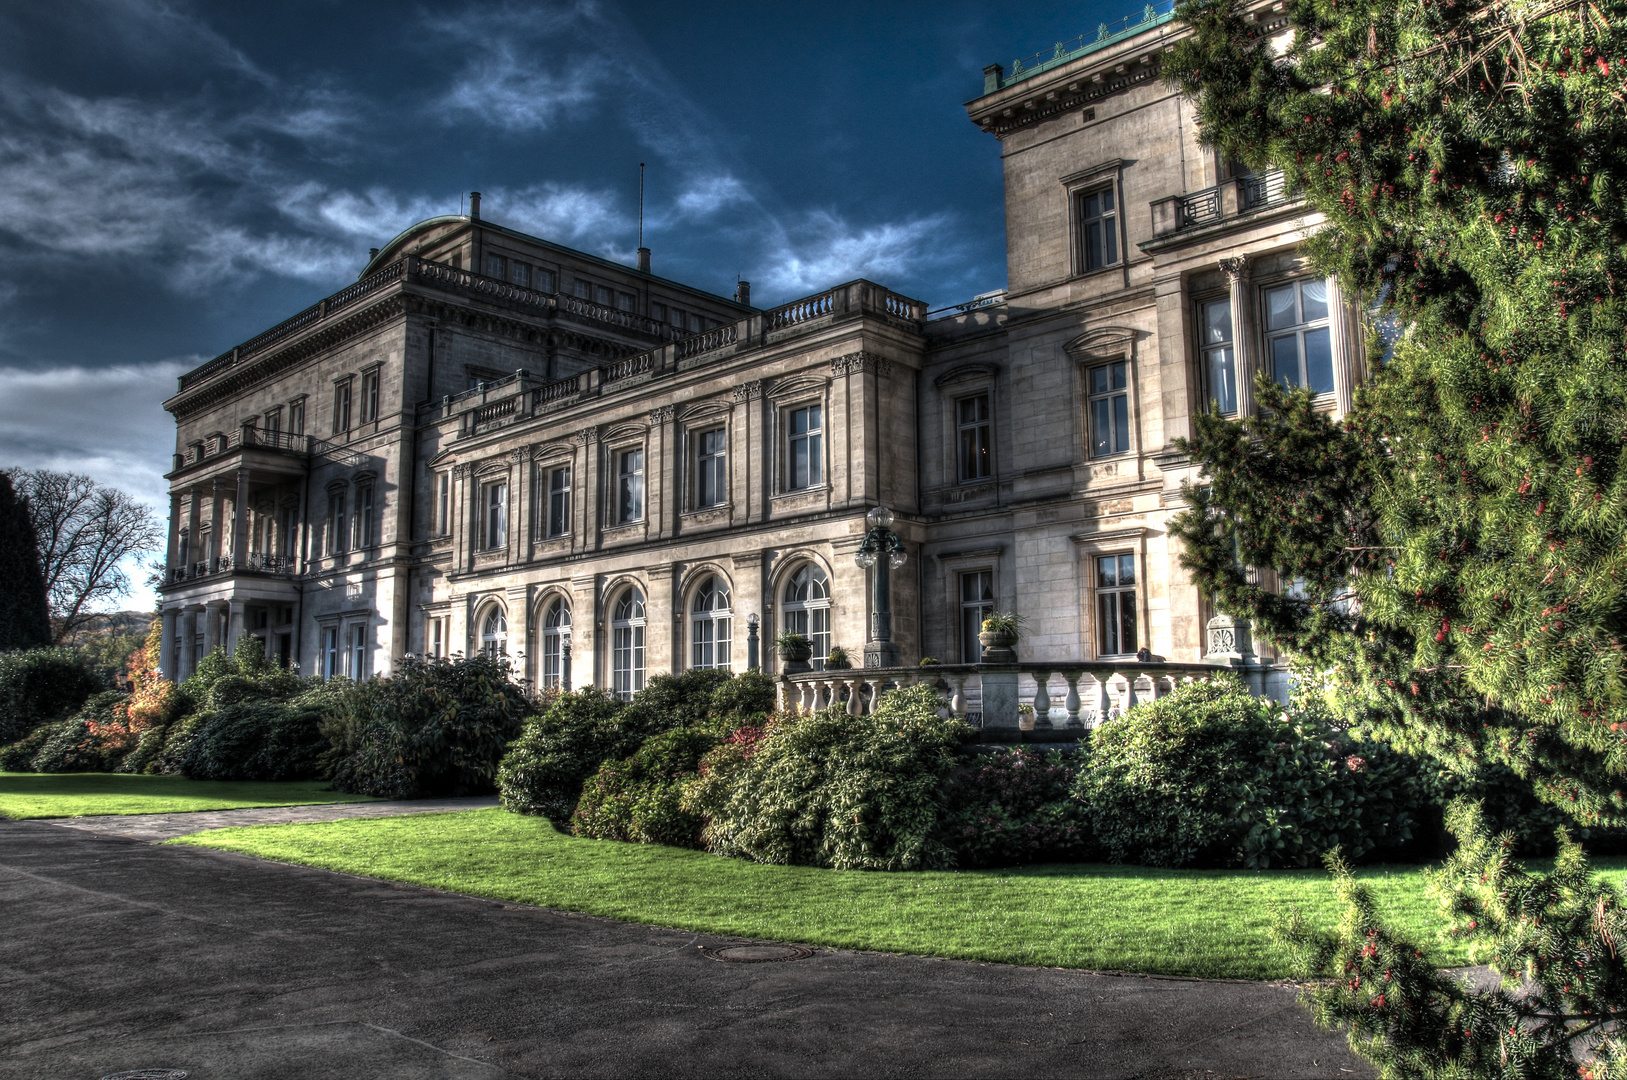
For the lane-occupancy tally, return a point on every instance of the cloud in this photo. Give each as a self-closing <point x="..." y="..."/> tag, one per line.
<point x="512" y="78"/>
<point x="821" y="249"/>
<point x="706" y="195"/>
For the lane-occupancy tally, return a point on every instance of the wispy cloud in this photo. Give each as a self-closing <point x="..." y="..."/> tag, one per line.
<point x="822" y="249"/>
<point x="514" y="75"/>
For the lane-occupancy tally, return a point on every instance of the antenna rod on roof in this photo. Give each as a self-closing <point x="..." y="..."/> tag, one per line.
<point x="643" y="252"/>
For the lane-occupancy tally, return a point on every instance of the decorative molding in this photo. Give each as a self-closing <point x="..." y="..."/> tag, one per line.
<point x="797" y="384"/>
<point x="748" y="390"/>
<point x="461" y="471"/>
<point x="1236" y="268"/>
<point x="860" y="362"/>
<point x="967" y="373"/>
<point x="1103" y="343"/>
<point x="585" y="436"/>
<point x="521" y="455"/>
<point x="661" y="414"/>
<point x="713" y="407"/>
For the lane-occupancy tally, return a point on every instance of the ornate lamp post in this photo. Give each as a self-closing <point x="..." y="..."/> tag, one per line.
<point x="753" y="644"/>
<point x="883" y="550"/>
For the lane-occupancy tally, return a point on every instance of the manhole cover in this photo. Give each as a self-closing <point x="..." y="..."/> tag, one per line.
<point x="148" y="1074"/>
<point x="756" y="954"/>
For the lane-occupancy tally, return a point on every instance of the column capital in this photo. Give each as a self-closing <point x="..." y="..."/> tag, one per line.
<point x="1236" y="268"/>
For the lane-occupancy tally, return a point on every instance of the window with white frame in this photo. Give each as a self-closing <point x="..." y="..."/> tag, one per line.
<point x="629" y="486"/>
<point x="330" y="652"/>
<point x="1098" y="229"/>
<point x="366" y="533"/>
<point x="556" y="629"/>
<point x="341" y="406"/>
<point x="494" y="523"/>
<point x="1109" y="406"/>
<point x="804" y="447"/>
<point x="583" y="288"/>
<point x="495" y="266"/>
<point x="358" y="651"/>
<point x="370" y="397"/>
<point x="627" y="644"/>
<point x="435" y="638"/>
<point x="710" y="625"/>
<point x="1116" y="605"/>
<point x="974" y="430"/>
<point x="558" y="517"/>
<point x="805" y="610"/>
<point x="1299" y="341"/>
<point x="976" y="604"/>
<point x="443" y="502"/>
<point x="711" y="468"/>
<point x="494" y="633"/>
<point x="1219" y="353"/>
<point x="334" y="535"/>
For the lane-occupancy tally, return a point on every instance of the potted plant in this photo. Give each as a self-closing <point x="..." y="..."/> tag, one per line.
<point x="999" y="638"/>
<point x="795" y="650"/>
<point x="838" y="660"/>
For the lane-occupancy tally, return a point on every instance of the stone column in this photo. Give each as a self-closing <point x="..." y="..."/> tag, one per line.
<point x="217" y="526"/>
<point x="1346" y="343"/>
<point x="240" y="521"/>
<point x="166" y="645"/>
<point x="234" y="625"/>
<point x="189" y="643"/>
<point x="172" y="555"/>
<point x="1244" y="350"/>
<point x="522" y="523"/>
<point x="211" y="627"/>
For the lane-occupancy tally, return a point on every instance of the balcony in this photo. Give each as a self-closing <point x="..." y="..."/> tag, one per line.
<point x="1227" y="201"/>
<point x="222" y="446"/>
<point x="257" y="564"/>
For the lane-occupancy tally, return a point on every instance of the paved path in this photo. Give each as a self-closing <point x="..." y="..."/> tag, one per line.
<point x="156" y="828"/>
<point x="119" y="956"/>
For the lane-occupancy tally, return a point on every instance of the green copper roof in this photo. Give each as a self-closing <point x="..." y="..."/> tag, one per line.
<point x="1153" y="15"/>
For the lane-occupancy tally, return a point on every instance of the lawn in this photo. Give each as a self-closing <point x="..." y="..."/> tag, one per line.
<point x="36" y="795"/>
<point x="1212" y="923"/>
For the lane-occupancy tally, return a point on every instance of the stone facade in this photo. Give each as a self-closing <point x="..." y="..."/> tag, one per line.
<point x="508" y="444"/>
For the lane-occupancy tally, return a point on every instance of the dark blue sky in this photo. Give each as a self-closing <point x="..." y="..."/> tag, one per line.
<point x="174" y="178"/>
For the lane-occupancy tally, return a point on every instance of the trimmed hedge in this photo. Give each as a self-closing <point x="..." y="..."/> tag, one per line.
<point x="38" y="686"/>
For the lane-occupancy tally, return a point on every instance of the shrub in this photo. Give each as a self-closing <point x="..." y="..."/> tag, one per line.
<point x="258" y="738"/>
<point x="38" y="686"/>
<point x="641" y="798"/>
<point x="834" y="790"/>
<point x="1211" y="774"/>
<point x="19" y="756"/>
<point x="435" y="727"/>
<point x="1015" y="806"/>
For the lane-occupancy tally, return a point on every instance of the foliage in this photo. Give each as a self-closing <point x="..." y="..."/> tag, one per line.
<point x="838" y="659"/>
<point x="1209" y="773"/>
<point x="789" y="641"/>
<point x="25" y="616"/>
<point x="433" y="727"/>
<point x="834" y="790"/>
<point x="1003" y="622"/>
<point x="19" y="756"/>
<point x="1553" y="937"/>
<point x="258" y="733"/>
<point x="39" y="685"/>
<point x="641" y="798"/>
<point x="1015" y="805"/>
<point x="744" y="699"/>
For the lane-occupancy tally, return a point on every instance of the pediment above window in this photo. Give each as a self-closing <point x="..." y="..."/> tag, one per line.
<point x="1103" y="343"/>
<point x="968" y="373"/>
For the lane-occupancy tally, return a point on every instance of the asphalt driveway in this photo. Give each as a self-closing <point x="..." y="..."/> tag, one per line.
<point x="118" y="955"/>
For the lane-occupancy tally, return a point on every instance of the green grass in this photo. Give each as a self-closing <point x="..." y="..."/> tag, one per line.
<point x="36" y="795"/>
<point x="1212" y="923"/>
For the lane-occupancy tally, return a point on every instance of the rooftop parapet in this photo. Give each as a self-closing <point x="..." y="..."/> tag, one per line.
<point x="997" y="78"/>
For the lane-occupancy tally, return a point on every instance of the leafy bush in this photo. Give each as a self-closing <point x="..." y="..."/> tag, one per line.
<point x="435" y="727"/>
<point x="258" y="738"/>
<point x="1211" y="774"/>
<point x="834" y="790"/>
<point x="38" y="686"/>
<point x="1015" y="806"/>
<point x="641" y="798"/>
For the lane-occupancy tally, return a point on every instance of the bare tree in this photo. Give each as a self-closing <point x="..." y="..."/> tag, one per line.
<point x="85" y="533"/>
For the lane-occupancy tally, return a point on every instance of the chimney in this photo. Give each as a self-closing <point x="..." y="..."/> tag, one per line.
<point x="742" y="293"/>
<point x="474" y="206"/>
<point x="372" y="253"/>
<point x="644" y="259"/>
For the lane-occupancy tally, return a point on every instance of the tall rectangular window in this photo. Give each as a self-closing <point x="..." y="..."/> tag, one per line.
<point x="370" y="397"/>
<point x="804" y="448"/>
<point x="496" y="519"/>
<point x="365" y="536"/>
<point x="1098" y="229"/>
<point x="1219" y="356"/>
<point x="559" y="501"/>
<point x="711" y="469"/>
<point x="341" y="407"/>
<point x="290" y="531"/>
<point x="1109" y="405"/>
<point x="334" y="535"/>
<point x="1116" y="605"/>
<point x="520" y="274"/>
<point x="630" y="485"/>
<point x="296" y="417"/>
<point x="443" y="503"/>
<point x="330" y="652"/>
<point x="358" y="651"/>
<point x="435" y="638"/>
<point x="273" y="421"/>
<point x="1298" y="339"/>
<point x="976" y="604"/>
<point x="972" y="424"/>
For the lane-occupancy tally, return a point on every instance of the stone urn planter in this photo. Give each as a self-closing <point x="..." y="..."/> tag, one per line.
<point x="999" y="647"/>
<point x="795" y="652"/>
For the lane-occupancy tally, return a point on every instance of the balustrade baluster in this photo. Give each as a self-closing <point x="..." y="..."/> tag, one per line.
<point x="1104" y="696"/>
<point x="957" y="699"/>
<point x="1130" y="691"/>
<point x="1042" y="701"/>
<point x="1072" y="701"/>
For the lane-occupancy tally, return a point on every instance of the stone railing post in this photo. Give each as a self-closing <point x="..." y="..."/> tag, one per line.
<point x="1000" y="721"/>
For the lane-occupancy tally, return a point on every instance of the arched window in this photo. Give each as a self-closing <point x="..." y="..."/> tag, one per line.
<point x="627" y="644"/>
<point x="710" y="625"/>
<point x="494" y="634"/>
<point x="805" y="610"/>
<point x="556" y="627"/>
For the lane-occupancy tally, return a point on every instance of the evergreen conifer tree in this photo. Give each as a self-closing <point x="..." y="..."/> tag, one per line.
<point x="25" y="621"/>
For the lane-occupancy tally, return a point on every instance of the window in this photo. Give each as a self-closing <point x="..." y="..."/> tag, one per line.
<point x="711" y="469"/>
<point x="559" y="501"/>
<point x="341" y="407"/>
<point x="805" y="610"/>
<point x="627" y="645"/>
<point x="1219" y="357"/>
<point x="494" y="634"/>
<point x="584" y="288"/>
<point x="364" y="516"/>
<point x="624" y="301"/>
<point x="630" y="485"/>
<point x="358" y="651"/>
<point x="1098" y="229"/>
<point x="273" y="421"/>
<point x="330" y="652"/>
<point x="804" y="453"/>
<point x="435" y="638"/>
<point x="556" y="630"/>
<point x="658" y="312"/>
<point x="443" y="503"/>
<point x="1116" y="605"/>
<point x="972" y="421"/>
<point x="545" y="280"/>
<point x="976" y="604"/>
<point x="495" y="500"/>
<point x="710" y="625"/>
<point x="1109" y="410"/>
<point x="495" y="267"/>
<point x="695" y="325"/>
<point x="370" y="397"/>
<point x="520" y="274"/>
<point x="335" y="532"/>
<point x="290" y="532"/>
<point x="602" y="296"/>
<point x="677" y="318"/>
<point x="1298" y="340"/>
<point x="296" y="418"/>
